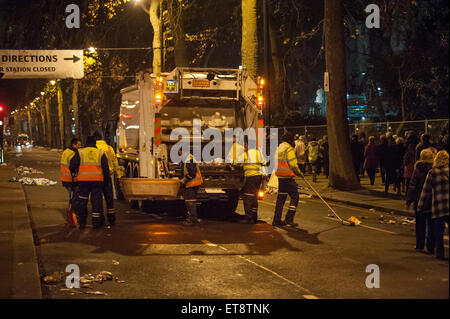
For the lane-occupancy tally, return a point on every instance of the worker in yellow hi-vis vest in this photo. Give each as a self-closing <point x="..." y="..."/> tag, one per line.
<point x="114" y="169"/>
<point x="191" y="182"/>
<point x="252" y="161"/>
<point x="287" y="169"/>
<point x="91" y="167"/>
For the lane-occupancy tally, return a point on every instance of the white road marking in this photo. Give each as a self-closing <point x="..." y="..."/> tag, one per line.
<point x="309" y="296"/>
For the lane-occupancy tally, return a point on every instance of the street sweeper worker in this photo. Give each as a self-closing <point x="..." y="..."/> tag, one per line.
<point x="191" y="182"/>
<point x="287" y="169"/>
<point x="114" y="169"/>
<point x="252" y="161"/>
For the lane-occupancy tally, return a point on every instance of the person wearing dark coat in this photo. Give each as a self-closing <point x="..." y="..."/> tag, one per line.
<point x="371" y="159"/>
<point x="382" y="156"/>
<point x="394" y="160"/>
<point x="423" y="219"/>
<point x="357" y="153"/>
<point x="424" y="143"/>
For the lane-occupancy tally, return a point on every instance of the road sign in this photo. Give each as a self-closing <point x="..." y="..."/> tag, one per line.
<point x="41" y="64"/>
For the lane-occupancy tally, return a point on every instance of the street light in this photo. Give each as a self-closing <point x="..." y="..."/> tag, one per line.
<point x="42" y="93"/>
<point x="52" y="82"/>
<point x="92" y="50"/>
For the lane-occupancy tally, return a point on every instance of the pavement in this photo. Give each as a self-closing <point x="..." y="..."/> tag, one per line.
<point x="19" y="265"/>
<point x="153" y="256"/>
<point x="369" y="196"/>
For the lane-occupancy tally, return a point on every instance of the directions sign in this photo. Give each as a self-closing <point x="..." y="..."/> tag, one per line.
<point x="41" y="64"/>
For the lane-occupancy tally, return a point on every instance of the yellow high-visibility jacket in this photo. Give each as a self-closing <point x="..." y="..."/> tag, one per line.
<point x="112" y="159"/>
<point x="66" y="156"/>
<point x="252" y="161"/>
<point x="287" y="165"/>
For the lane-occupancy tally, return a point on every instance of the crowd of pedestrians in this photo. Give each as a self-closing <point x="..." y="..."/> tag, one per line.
<point x="415" y="167"/>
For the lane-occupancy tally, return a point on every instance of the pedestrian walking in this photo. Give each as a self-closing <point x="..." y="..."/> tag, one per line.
<point x="313" y="158"/>
<point x="191" y="181"/>
<point x="394" y="162"/>
<point x="436" y="189"/>
<point x="287" y="169"/>
<point x="300" y="153"/>
<point x="401" y="149"/>
<point x="114" y="170"/>
<point x="371" y="159"/>
<point x="357" y="154"/>
<point x="382" y="156"/>
<point x="91" y="166"/>
<point x="443" y="143"/>
<point x="423" y="218"/>
<point x="325" y="156"/>
<point x="408" y="164"/>
<point x="425" y="142"/>
<point x="252" y="161"/>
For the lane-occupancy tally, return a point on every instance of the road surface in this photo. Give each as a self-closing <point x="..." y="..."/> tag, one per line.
<point x="155" y="256"/>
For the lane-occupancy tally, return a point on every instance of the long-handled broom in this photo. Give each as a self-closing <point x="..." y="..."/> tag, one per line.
<point x="343" y="222"/>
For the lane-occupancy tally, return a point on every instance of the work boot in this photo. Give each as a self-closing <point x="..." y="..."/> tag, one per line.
<point x="278" y="223"/>
<point x="111" y="217"/>
<point x="254" y="218"/>
<point x="289" y="220"/>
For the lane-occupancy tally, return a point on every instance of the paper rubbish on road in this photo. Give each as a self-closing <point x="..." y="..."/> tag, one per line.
<point x="354" y="220"/>
<point x="53" y="278"/>
<point x="34" y="181"/>
<point x="22" y="170"/>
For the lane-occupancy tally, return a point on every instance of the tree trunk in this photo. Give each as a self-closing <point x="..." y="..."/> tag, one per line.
<point x="277" y="87"/>
<point x="342" y="174"/>
<point x="176" y="22"/>
<point x="75" y="107"/>
<point x="157" y="29"/>
<point x="249" y="45"/>
<point x="42" y="128"/>
<point x="60" y="114"/>
<point x="29" y="125"/>
<point x="48" y="122"/>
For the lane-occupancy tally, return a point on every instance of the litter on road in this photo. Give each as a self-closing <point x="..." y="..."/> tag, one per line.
<point x="23" y="170"/>
<point x="34" y="181"/>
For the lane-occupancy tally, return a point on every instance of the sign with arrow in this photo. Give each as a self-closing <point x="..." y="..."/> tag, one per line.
<point x="41" y="64"/>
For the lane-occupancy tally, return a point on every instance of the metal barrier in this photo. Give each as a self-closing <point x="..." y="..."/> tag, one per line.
<point x="432" y="127"/>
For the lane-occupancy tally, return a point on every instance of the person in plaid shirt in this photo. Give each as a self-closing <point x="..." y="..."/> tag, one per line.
<point x="436" y="188"/>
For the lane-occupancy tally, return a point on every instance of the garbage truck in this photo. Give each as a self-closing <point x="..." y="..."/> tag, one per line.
<point x="157" y="105"/>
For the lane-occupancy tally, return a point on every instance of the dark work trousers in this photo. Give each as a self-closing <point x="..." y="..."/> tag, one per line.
<point x="190" y="199"/>
<point x="424" y="227"/>
<point x="286" y="186"/>
<point x="94" y="189"/>
<point x="438" y="235"/>
<point x="302" y="168"/>
<point x="108" y="193"/>
<point x="250" y="194"/>
<point x="315" y="170"/>
<point x="371" y="174"/>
